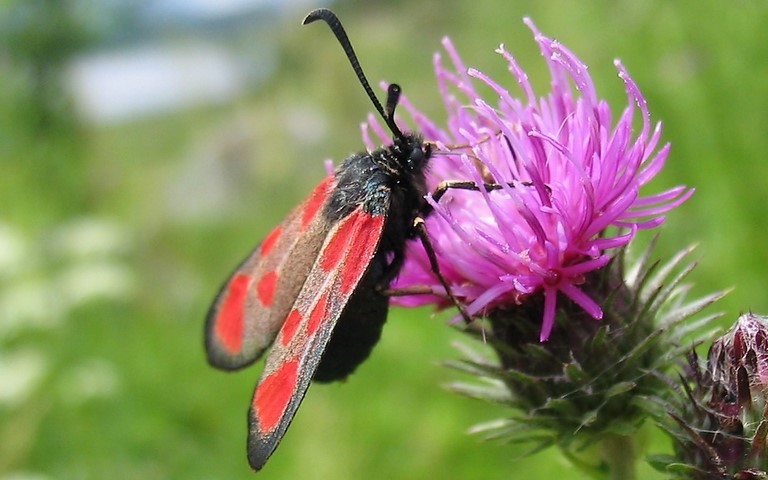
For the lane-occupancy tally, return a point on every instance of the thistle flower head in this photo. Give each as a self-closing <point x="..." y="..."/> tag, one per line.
<point x="549" y="194"/>
<point x="563" y="174"/>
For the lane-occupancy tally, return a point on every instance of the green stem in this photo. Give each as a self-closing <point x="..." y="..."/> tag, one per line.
<point x="619" y="453"/>
<point x="594" y="472"/>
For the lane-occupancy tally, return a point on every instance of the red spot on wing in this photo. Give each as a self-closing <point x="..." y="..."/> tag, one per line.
<point x="339" y="245"/>
<point x="316" y="200"/>
<point x="270" y="240"/>
<point x="266" y="288"/>
<point x="319" y="313"/>
<point x="291" y="325"/>
<point x="354" y="242"/>
<point x="229" y="320"/>
<point x="273" y="395"/>
<point x="364" y="247"/>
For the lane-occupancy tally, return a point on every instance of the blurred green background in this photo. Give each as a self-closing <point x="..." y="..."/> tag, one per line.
<point x="116" y="230"/>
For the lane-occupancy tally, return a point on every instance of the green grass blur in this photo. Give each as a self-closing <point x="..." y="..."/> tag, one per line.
<point x="120" y="385"/>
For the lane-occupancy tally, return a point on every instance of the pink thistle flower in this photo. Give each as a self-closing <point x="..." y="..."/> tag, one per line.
<point x="567" y="175"/>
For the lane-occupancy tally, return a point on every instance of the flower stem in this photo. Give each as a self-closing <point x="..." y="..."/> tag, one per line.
<point x="619" y="453"/>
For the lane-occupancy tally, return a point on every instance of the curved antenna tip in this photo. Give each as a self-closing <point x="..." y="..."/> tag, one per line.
<point x="317" y="14"/>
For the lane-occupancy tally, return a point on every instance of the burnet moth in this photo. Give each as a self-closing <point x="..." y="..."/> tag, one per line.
<point x="314" y="289"/>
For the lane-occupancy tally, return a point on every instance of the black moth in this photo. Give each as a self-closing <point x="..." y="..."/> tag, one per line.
<point x="315" y="288"/>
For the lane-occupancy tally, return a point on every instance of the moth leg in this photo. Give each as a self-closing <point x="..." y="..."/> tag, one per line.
<point x="446" y="185"/>
<point x="412" y="290"/>
<point x="421" y="230"/>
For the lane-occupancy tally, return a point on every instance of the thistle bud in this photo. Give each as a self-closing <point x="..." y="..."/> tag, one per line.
<point x="740" y="356"/>
<point x="722" y="418"/>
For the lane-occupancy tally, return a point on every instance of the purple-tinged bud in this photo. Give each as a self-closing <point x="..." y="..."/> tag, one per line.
<point x="723" y="412"/>
<point x="739" y="359"/>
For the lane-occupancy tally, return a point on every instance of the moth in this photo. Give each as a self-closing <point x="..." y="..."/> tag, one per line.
<point x="315" y="289"/>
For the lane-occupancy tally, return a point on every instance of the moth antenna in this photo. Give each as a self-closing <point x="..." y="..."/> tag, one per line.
<point x="393" y="92"/>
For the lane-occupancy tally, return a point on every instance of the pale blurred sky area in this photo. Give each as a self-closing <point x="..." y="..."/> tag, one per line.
<point x="162" y="55"/>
